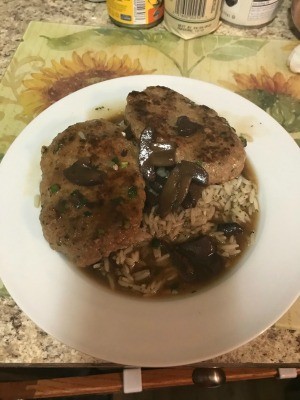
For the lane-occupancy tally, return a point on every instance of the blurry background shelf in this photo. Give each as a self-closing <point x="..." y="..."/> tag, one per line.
<point x="84" y="27"/>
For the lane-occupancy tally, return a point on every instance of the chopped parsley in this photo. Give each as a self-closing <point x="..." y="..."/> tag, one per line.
<point x="54" y="188"/>
<point x="115" y="160"/>
<point x="244" y="141"/>
<point x="132" y="192"/>
<point x="124" y="164"/>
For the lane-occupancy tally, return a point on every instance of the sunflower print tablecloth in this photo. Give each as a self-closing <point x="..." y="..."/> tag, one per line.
<point x="56" y="59"/>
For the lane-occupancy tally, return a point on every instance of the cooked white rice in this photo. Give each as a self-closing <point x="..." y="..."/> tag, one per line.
<point x="233" y="201"/>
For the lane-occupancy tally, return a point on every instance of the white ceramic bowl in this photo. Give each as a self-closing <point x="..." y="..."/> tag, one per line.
<point x="73" y="308"/>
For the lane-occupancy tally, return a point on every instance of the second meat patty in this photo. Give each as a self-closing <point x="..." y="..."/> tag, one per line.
<point x="199" y="133"/>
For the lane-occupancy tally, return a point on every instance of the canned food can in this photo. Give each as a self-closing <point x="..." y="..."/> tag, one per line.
<point x="192" y="18"/>
<point x="249" y="13"/>
<point x="135" y="13"/>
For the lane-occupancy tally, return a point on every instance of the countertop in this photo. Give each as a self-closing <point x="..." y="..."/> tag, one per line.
<point x="21" y="340"/>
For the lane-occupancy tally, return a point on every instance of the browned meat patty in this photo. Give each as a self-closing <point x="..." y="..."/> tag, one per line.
<point x="200" y="134"/>
<point x="92" y="193"/>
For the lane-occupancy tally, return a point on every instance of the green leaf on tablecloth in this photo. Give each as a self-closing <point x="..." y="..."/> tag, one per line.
<point x="3" y="291"/>
<point x="161" y="38"/>
<point x="230" y="53"/>
<point x="261" y="98"/>
<point x="284" y="108"/>
<point x="120" y="36"/>
<point x="286" y="111"/>
<point x="203" y="46"/>
<point x="162" y="41"/>
<point x="224" y="48"/>
<point x="253" y="44"/>
<point x="70" y="42"/>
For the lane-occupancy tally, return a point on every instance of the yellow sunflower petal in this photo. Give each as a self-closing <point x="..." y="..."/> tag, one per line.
<point x="293" y="86"/>
<point x="256" y="82"/>
<point x="136" y="65"/>
<point x="280" y="83"/>
<point x="268" y="84"/>
<point x="34" y="84"/>
<point x="69" y="67"/>
<point x="60" y="68"/>
<point x="101" y="58"/>
<point x="243" y="81"/>
<point x="88" y="60"/>
<point x="50" y="73"/>
<point x="77" y="59"/>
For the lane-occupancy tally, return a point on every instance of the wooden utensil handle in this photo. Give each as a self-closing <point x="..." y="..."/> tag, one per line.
<point x="109" y="383"/>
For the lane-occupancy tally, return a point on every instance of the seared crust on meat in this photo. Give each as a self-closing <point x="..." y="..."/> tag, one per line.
<point x="213" y="142"/>
<point x="92" y="193"/>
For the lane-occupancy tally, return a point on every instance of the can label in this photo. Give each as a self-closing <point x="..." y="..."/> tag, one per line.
<point x="192" y="18"/>
<point x="136" y="12"/>
<point x="250" y="12"/>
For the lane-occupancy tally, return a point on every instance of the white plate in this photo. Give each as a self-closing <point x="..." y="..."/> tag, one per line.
<point x="154" y="333"/>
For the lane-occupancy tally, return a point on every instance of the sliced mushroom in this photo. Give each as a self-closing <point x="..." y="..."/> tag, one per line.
<point x="230" y="228"/>
<point x="83" y="173"/>
<point x="177" y="185"/>
<point x="169" y="192"/>
<point x="163" y="154"/>
<point x="186" y="127"/>
<point x="153" y="154"/>
<point x="197" y="260"/>
<point x="154" y="188"/>
<point x="193" y="195"/>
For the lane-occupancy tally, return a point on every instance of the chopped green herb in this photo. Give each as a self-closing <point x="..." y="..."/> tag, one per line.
<point x="87" y="214"/>
<point x="63" y="141"/>
<point x="244" y="141"/>
<point x="199" y="162"/>
<point x="100" y="232"/>
<point x="57" y="148"/>
<point x="132" y="192"/>
<point x="115" y="160"/>
<point x="117" y="200"/>
<point x="124" y="164"/>
<point x="155" y="243"/>
<point x="54" y="188"/>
